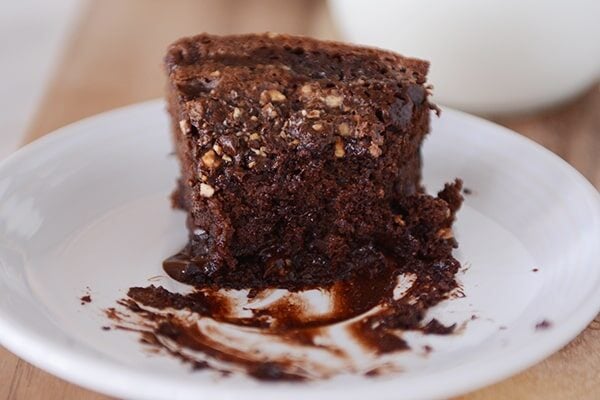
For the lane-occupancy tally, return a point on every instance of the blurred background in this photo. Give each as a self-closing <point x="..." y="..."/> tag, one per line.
<point x="533" y="66"/>
<point x="505" y="59"/>
<point x="32" y="36"/>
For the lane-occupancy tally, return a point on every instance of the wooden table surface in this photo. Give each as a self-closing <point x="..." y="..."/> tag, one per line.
<point x="114" y="58"/>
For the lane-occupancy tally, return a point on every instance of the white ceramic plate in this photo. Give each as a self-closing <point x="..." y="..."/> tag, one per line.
<point x="87" y="207"/>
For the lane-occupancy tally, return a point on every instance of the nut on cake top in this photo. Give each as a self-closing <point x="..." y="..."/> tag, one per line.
<point x="257" y="95"/>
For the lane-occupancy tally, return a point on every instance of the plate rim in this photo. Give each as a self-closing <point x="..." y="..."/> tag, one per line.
<point x="115" y="379"/>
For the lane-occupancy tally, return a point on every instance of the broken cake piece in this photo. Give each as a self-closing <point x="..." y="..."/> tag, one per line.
<point x="301" y="162"/>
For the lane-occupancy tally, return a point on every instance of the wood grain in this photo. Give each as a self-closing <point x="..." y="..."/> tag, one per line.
<point x="115" y="56"/>
<point x="114" y="59"/>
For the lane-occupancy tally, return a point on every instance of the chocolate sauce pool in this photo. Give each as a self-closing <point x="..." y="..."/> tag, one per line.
<point x="364" y="306"/>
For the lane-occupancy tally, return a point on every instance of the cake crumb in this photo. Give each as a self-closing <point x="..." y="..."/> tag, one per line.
<point x="543" y="325"/>
<point x="85" y="299"/>
<point x="435" y="327"/>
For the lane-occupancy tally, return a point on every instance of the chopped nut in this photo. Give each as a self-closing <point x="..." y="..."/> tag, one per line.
<point x="317" y="127"/>
<point x="262" y="151"/>
<point x="209" y="159"/>
<point x="339" y="148"/>
<point x="271" y="95"/>
<point x="264" y="97"/>
<point x="254" y="136"/>
<point x="294" y="142"/>
<point x="199" y="232"/>
<point x="218" y="149"/>
<point x="225" y="157"/>
<point x="195" y="111"/>
<point x="374" y="150"/>
<point x="185" y="126"/>
<point x="276" y="95"/>
<point x="237" y="113"/>
<point x="445" y="233"/>
<point x="306" y="90"/>
<point x="312" y="114"/>
<point x="251" y="164"/>
<point x="206" y="190"/>
<point x="203" y="178"/>
<point x="344" y="129"/>
<point x="283" y="135"/>
<point x="399" y="220"/>
<point x="216" y="73"/>
<point x="269" y="110"/>
<point x="333" y="100"/>
<point x="204" y="139"/>
<point x="254" y="118"/>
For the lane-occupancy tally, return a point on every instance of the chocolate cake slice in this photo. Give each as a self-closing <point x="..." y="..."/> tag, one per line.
<point x="300" y="162"/>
